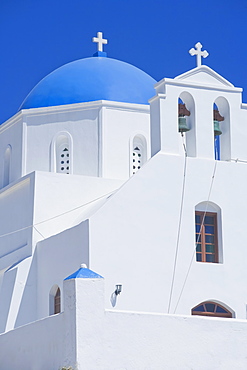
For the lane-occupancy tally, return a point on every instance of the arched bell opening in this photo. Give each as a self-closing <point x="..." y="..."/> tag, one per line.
<point x="186" y="121"/>
<point x="221" y="125"/>
<point x="183" y="113"/>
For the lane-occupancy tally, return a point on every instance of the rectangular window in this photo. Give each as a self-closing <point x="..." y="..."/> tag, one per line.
<point x="206" y="237"/>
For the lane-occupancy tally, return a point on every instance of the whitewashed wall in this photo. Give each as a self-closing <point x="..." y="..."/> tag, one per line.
<point x="62" y="201"/>
<point x="100" y="135"/>
<point x="16" y="213"/>
<point x="141" y="341"/>
<point x="119" y="125"/>
<point x="36" y="346"/>
<point x="86" y="336"/>
<point x="138" y="227"/>
<point x="11" y="134"/>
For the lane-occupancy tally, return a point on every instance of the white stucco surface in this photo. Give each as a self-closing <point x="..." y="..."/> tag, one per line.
<point x="34" y="346"/>
<point x="149" y="341"/>
<point x="151" y="202"/>
<point x="85" y="336"/>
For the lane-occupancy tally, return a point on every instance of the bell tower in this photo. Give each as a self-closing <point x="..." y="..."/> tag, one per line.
<point x="201" y="105"/>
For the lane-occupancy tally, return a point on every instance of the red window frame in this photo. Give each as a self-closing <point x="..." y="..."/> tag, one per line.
<point x="206" y="237"/>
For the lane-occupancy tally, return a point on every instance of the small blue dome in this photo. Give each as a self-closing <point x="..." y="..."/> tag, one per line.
<point x="90" y="79"/>
<point x="84" y="273"/>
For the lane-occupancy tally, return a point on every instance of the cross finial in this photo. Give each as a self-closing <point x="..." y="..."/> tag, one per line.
<point x="100" y="41"/>
<point x="199" y="53"/>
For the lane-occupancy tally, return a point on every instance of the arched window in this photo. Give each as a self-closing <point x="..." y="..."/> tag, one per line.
<point x="54" y="300"/>
<point x="212" y="309"/>
<point x="57" y="301"/>
<point x="138" y="154"/>
<point x="7" y="166"/>
<point x="208" y="233"/>
<point x="61" y="159"/>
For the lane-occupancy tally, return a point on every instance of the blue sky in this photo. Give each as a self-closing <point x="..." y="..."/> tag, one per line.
<point x="38" y="36"/>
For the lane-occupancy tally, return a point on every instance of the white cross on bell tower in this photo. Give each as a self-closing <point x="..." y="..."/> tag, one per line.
<point x="199" y="53"/>
<point x="100" y="41"/>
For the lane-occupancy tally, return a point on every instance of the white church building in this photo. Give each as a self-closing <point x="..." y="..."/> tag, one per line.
<point x="123" y="216"/>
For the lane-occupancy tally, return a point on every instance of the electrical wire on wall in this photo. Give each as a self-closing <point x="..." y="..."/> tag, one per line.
<point x="57" y="216"/>
<point x="194" y="250"/>
<point x="179" y="223"/>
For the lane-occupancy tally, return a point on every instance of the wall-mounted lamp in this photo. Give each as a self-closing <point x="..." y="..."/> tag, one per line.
<point x="118" y="289"/>
<point x="114" y="295"/>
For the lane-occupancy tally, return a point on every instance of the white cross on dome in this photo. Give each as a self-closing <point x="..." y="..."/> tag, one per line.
<point x="100" y="41"/>
<point x="199" y="53"/>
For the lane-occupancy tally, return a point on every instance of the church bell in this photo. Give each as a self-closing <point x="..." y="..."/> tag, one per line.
<point x="217" y="119"/>
<point x="217" y="130"/>
<point x="182" y="125"/>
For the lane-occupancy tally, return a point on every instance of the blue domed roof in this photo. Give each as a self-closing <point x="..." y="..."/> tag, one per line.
<point x="90" y="79"/>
